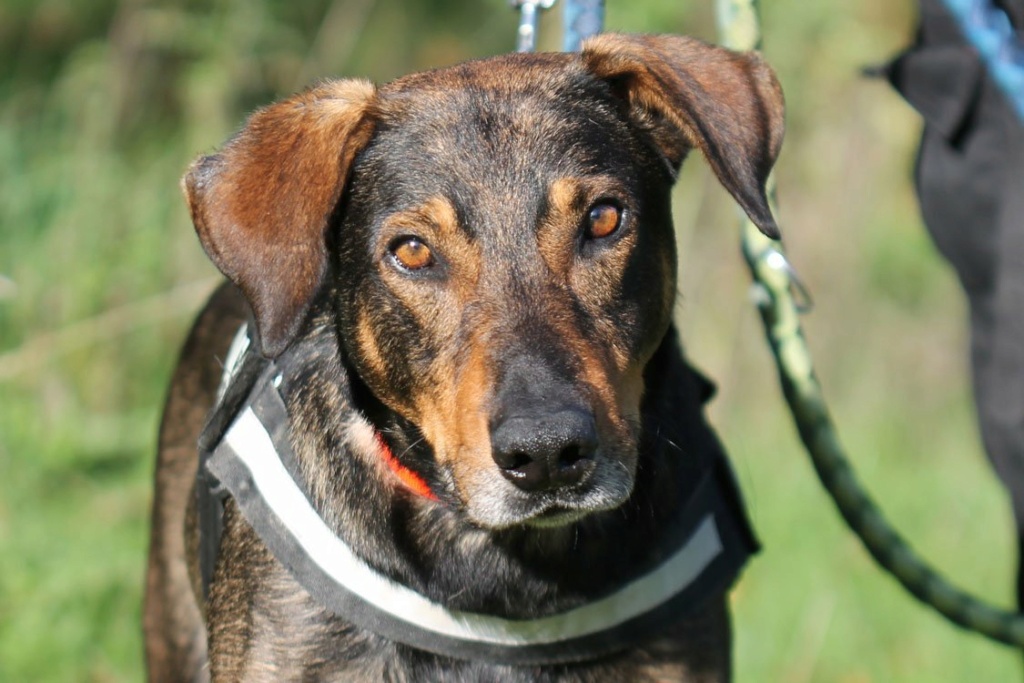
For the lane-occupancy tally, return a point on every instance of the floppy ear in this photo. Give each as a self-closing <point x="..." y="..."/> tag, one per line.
<point x="691" y="94"/>
<point x="261" y="205"/>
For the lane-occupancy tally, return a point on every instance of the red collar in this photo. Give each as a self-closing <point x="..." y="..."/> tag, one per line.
<point x="412" y="480"/>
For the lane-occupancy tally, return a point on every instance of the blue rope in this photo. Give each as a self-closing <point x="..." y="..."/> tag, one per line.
<point x="580" y="19"/>
<point x="989" y="30"/>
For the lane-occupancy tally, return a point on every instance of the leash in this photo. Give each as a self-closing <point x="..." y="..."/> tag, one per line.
<point x="775" y="285"/>
<point x="580" y="20"/>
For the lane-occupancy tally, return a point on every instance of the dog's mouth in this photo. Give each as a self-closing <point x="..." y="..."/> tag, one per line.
<point x="495" y="504"/>
<point x="538" y="452"/>
<point x="557" y="516"/>
<point x="470" y="480"/>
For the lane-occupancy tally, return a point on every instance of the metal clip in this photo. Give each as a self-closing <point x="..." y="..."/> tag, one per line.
<point x="776" y="260"/>
<point x="526" y="36"/>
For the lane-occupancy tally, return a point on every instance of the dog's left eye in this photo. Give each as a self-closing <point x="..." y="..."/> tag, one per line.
<point x="603" y="220"/>
<point x="411" y="253"/>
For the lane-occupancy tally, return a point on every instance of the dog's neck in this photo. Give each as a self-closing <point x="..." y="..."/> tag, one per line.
<point x="431" y="547"/>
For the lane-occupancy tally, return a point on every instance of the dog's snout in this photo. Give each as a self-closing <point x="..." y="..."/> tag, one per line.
<point x="540" y="453"/>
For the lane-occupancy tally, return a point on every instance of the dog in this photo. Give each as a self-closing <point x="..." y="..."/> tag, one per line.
<point x="455" y="291"/>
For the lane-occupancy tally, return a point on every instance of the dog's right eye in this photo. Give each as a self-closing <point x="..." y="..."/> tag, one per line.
<point x="603" y="220"/>
<point x="410" y="253"/>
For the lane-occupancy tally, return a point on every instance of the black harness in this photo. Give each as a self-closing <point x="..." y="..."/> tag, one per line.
<point x="246" y="454"/>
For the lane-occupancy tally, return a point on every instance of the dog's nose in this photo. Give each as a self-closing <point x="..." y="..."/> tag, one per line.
<point x="540" y="453"/>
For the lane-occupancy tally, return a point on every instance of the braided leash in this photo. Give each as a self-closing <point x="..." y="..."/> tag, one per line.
<point x="775" y="284"/>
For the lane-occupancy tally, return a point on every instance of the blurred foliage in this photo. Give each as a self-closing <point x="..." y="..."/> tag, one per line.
<point x="104" y="102"/>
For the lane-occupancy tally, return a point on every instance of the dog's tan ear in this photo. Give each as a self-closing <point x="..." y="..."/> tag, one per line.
<point x="262" y="204"/>
<point x="691" y="94"/>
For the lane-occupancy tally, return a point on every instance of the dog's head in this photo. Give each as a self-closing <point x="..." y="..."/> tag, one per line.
<point x="498" y="244"/>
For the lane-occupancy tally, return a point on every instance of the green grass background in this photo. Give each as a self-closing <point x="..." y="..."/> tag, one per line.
<point x="104" y="102"/>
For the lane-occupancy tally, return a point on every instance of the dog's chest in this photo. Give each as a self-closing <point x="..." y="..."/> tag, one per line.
<point x="330" y="650"/>
<point x="268" y="628"/>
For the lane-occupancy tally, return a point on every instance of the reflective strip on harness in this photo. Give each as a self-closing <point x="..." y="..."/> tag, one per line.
<point x="253" y="446"/>
<point x="254" y="463"/>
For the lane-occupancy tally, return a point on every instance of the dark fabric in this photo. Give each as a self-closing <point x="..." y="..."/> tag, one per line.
<point x="1015" y="10"/>
<point x="970" y="183"/>
<point x="209" y="494"/>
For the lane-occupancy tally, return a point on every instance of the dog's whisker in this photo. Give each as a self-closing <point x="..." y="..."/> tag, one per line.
<point x="670" y="442"/>
<point x="413" y="445"/>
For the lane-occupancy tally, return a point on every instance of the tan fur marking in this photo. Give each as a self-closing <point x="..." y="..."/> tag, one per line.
<point x="471" y="405"/>
<point x="606" y="385"/>
<point x="439" y="211"/>
<point x="436" y="214"/>
<point x="455" y="419"/>
<point x="564" y="196"/>
<point x="368" y="347"/>
<point x="437" y="223"/>
<point x="556" y="236"/>
<point x="568" y="202"/>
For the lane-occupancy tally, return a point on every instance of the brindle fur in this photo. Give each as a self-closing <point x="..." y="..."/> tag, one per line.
<point x="494" y="164"/>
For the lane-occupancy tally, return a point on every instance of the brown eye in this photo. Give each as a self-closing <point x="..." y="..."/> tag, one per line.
<point x="603" y="220"/>
<point x="412" y="254"/>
